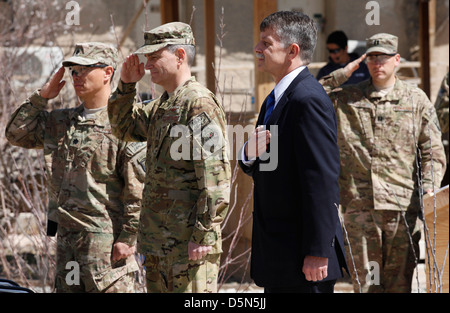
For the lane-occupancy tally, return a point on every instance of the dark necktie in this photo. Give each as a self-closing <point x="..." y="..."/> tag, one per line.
<point x="270" y="103"/>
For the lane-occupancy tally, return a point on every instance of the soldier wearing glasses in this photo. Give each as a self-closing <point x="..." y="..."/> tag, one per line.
<point x="95" y="180"/>
<point x="391" y="154"/>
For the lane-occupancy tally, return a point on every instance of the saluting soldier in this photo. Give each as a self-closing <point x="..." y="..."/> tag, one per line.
<point x="187" y="184"/>
<point x="387" y="131"/>
<point x="95" y="180"/>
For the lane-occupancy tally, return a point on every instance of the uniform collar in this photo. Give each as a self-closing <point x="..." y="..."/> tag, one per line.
<point x="101" y="117"/>
<point x="392" y="95"/>
<point x="165" y="96"/>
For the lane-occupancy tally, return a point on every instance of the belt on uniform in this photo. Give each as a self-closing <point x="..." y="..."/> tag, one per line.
<point x="183" y="195"/>
<point x="176" y="194"/>
<point x="179" y="195"/>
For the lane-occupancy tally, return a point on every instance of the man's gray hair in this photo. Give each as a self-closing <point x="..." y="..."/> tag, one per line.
<point x="294" y="27"/>
<point x="190" y="52"/>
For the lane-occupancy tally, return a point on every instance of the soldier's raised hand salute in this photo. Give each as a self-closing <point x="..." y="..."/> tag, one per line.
<point x="185" y="199"/>
<point x="353" y="66"/>
<point x="52" y="88"/>
<point x="132" y="70"/>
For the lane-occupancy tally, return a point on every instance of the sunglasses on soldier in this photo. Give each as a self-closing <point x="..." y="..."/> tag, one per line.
<point x="81" y="70"/>
<point x="334" y="51"/>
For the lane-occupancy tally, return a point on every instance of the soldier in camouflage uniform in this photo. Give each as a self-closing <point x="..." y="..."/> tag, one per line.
<point x="441" y="106"/>
<point x="95" y="180"/>
<point x="386" y="130"/>
<point x="187" y="186"/>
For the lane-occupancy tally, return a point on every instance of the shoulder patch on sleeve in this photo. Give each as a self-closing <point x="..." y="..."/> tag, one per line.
<point x="200" y="121"/>
<point x="208" y="139"/>
<point x="134" y="148"/>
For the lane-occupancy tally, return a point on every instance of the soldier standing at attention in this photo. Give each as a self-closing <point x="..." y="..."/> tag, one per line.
<point x="186" y="192"/>
<point x="95" y="180"/>
<point x="387" y="129"/>
<point x="441" y="106"/>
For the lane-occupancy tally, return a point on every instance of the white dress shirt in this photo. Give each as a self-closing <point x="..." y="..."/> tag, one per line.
<point x="279" y="90"/>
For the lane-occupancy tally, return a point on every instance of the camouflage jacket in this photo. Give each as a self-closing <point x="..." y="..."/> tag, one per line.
<point x="382" y="141"/>
<point x="441" y="104"/>
<point x="95" y="180"/>
<point x="186" y="193"/>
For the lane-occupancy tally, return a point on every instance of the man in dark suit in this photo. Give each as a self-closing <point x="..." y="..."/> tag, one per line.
<point x="297" y="238"/>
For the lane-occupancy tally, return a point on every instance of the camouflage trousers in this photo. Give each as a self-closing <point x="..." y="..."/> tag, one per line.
<point x="381" y="250"/>
<point x="169" y="274"/>
<point x="84" y="264"/>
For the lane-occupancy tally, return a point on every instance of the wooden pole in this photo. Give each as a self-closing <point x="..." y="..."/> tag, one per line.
<point x="210" y="44"/>
<point x="424" y="43"/>
<point x="263" y="81"/>
<point x="169" y="11"/>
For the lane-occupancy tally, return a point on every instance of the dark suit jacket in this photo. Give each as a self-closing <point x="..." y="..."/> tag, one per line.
<point x="295" y="205"/>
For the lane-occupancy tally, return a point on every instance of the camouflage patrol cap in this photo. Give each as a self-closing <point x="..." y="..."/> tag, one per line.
<point x="175" y="33"/>
<point x="89" y="53"/>
<point x="385" y="43"/>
